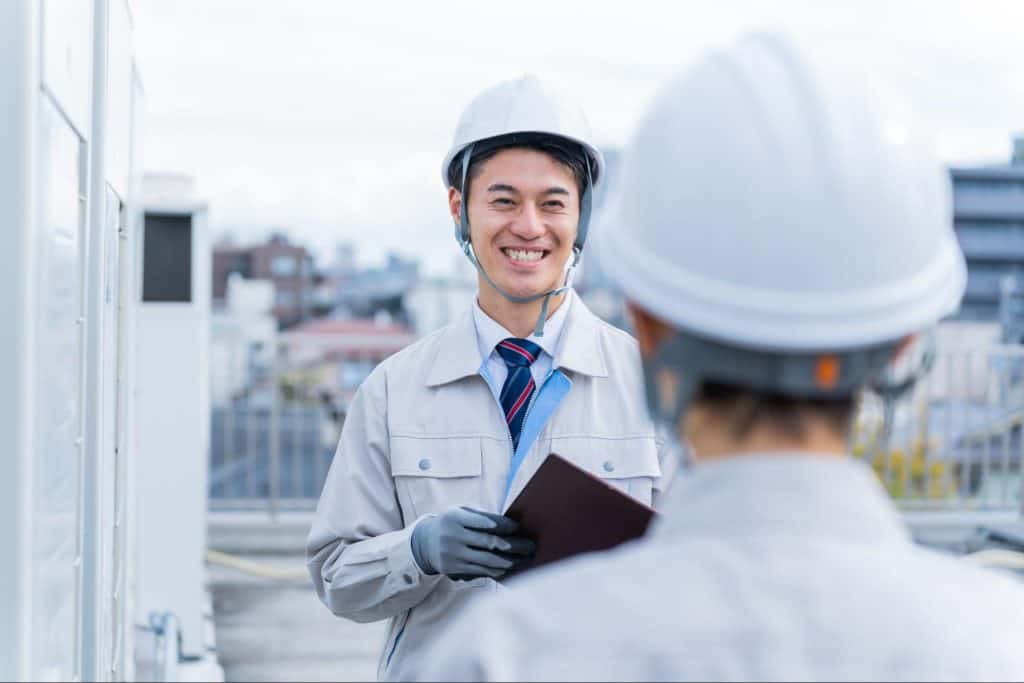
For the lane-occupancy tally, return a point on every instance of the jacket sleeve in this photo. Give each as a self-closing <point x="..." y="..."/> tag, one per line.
<point x="359" y="550"/>
<point x="671" y="455"/>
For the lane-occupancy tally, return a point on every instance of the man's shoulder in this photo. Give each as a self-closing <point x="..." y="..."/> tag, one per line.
<point x="618" y="347"/>
<point x="415" y="358"/>
<point x="612" y="334"/>
<point x="984" y="588"/>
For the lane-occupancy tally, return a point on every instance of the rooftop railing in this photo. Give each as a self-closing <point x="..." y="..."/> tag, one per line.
<point x="954" y="442"/>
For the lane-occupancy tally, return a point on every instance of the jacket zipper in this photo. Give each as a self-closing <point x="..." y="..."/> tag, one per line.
<point x="401" y="632"/>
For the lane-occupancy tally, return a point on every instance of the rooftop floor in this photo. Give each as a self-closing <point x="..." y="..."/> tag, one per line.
<point x="274" y="630"/>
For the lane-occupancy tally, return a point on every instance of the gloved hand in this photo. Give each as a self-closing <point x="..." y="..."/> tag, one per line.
<point x="465" y="544"/>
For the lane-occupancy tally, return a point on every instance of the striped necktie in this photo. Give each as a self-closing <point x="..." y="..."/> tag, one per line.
<point x="519" y="387"/>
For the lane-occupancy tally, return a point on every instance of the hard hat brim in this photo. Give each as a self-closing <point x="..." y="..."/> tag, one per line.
<point x="596" y="158"/>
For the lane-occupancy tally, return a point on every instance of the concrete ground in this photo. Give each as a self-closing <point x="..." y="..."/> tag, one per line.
<point x="277" y="630"/>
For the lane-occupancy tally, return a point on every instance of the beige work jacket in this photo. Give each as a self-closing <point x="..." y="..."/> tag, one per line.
<point x="426" y="433"/>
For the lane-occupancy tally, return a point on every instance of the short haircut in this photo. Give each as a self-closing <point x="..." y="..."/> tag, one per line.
<point x="747" y="408"/>
<point x="565" y="152"/>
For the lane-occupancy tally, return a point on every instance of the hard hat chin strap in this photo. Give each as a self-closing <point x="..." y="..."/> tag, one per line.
<point x="538" y="330"/>
<point x="462" y="237"/>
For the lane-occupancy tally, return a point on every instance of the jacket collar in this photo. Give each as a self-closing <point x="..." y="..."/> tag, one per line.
<point x="579" y="351"/>
<point x="771" y="494"/>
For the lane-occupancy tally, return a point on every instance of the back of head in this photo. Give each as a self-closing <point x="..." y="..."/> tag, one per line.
<point x="761" y="213"/>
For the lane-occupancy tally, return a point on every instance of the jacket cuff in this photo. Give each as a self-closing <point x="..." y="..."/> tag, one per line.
<point x="402" y="566"/>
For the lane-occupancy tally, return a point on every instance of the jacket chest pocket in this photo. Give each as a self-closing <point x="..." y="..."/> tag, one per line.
<point x="432" y="475"/>
<point x="630" y="465"/>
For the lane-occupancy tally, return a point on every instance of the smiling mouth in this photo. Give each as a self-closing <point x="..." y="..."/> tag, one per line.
<point x="525" y="255"/>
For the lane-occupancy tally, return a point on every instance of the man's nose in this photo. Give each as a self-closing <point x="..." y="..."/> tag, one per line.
<point x="529" y="224"/>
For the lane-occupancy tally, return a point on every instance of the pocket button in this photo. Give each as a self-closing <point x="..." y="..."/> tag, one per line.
<point x="609" y="466"/>
<point x="425" y="464"/>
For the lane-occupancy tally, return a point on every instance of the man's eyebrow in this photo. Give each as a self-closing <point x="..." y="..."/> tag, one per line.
<point x="502" y="187"/>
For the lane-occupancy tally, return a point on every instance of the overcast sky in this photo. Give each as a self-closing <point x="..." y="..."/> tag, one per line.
<point x="330" y="118"/>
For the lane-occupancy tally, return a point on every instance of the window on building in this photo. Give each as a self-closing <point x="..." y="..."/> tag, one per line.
<point x="284" y="298"/>
<point x="283" y="266"/>
<point x="1002" y="240"/>
<point x="242" y="264"/>
<point x="983" y="280"/>
<point x="989" y="187"/>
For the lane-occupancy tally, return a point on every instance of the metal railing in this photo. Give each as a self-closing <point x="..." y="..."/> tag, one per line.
<point x="273" y="457"/>
<point x="953" y="443"/>
<point x="275" y="422"/>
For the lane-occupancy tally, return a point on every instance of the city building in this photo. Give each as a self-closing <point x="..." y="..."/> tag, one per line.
<point x="989" y="219"/>
<point x="335" y="355"/>
<point x="363" y="292"/>
<point x="288" y="266"/>
<point x="434" y="301"/>
<point x="243" y="338"/>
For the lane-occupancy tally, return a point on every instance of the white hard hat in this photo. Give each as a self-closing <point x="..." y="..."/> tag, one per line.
<point x="759" y="206"/>
<point x="524" y="105"/>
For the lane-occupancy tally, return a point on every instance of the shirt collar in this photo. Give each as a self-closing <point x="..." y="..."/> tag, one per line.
<point x="489" y="332"/>
<point x="577" y="347"/>
<point x="770" y="493"/>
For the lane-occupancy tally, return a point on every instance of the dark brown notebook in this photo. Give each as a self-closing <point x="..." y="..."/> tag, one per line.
<point x="569" y="511"/>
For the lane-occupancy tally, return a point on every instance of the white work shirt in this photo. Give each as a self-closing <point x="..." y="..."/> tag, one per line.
<point x="489" y="332"/>
<point x="762" y="567"/>
<point x="425" y="433"/>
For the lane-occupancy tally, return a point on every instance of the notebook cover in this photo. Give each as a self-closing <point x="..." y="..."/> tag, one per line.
<point x="569" y="511"/>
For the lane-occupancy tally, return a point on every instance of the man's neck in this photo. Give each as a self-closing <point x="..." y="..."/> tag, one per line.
<point x="719" y="442"/>
<point x="519" y="319"/>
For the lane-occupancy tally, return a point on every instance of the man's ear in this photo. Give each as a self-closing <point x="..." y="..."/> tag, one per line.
<point x="904" y="344"/>
<point x="651" y="330"/>
<point x="455" y="204"/>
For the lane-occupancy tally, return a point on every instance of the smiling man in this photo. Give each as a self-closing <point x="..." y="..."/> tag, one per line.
<point x="443" y="435"/>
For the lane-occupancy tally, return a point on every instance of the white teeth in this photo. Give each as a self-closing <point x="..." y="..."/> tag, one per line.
<point x="524" y="255"/>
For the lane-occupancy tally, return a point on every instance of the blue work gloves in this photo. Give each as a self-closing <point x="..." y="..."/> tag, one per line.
<point x="466" y="544"/>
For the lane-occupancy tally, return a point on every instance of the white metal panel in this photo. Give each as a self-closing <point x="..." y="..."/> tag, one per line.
<point x="112" y="507"/>
<point x="119" y="624"/>
<point x="124" y="655"/>
<point x="97" y="484"/>
<point x="58" y="409"/>
<point x="172" y="422"/>
<point x="67" y="56"/>
<point x="117" y="145"/>
<point x="171" y="475"/>
<point x="18" y="93"/>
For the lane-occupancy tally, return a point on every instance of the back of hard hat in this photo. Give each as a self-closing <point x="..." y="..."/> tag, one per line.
<point x="758" y="205"/>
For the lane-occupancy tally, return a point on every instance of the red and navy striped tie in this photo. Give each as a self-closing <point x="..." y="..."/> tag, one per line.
<point x="518" y="355"/>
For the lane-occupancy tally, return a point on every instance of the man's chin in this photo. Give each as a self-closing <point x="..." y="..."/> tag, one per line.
<point x="526" y="290"/>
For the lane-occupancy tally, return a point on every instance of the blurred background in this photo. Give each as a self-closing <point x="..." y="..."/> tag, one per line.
<point x="227" y="213"/>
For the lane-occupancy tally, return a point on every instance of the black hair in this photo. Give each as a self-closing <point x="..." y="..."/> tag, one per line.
<point x="565" y="152"/>
<point x="748" y="408"/>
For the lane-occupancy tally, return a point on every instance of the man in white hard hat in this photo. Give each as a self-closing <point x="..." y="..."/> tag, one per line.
<point x="776" y="256"/>
<point x="443" y="435"/>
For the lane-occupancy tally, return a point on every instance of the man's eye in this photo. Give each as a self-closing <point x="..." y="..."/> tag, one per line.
<point x="502" y="201"/>
<point x="554" y="204"/>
